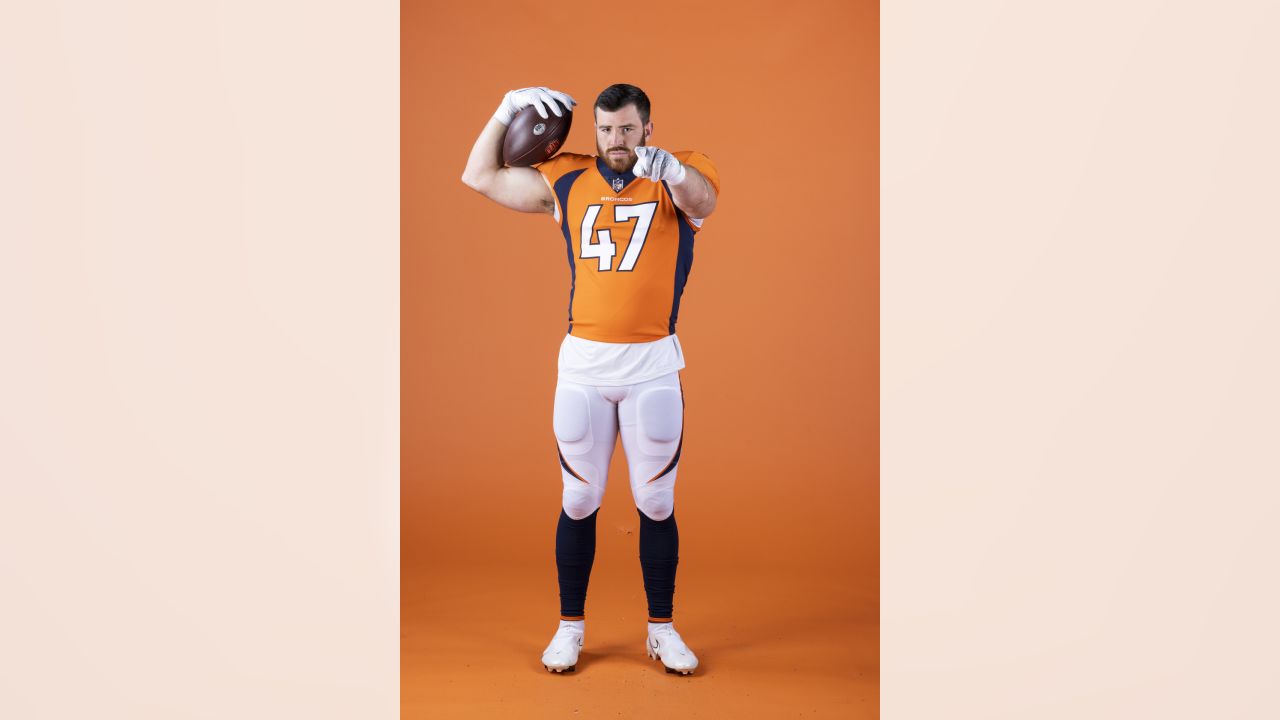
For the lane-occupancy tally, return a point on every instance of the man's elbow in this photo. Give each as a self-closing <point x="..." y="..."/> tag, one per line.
<point x="703" y="210"/>
<point x="478" y="181"/>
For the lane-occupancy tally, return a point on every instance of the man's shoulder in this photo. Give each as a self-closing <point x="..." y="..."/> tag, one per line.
<point x="565" y="162"/>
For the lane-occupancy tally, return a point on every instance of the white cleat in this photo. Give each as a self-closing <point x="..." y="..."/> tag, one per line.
<point x="562" y="654"/>
<point x="665" y="644"/>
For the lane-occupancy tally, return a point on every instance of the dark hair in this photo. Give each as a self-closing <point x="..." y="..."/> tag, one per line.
<point x="616" y="97"/>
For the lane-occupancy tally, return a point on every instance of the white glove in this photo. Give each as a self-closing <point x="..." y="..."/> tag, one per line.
<point x="539" y="97"/>
<point x="656" y="164"/>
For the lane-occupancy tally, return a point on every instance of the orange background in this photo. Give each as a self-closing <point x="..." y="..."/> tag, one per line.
<point x="777" y="498"/>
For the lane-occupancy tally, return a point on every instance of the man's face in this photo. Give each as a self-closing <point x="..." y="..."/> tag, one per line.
<point x="618" y="134"/>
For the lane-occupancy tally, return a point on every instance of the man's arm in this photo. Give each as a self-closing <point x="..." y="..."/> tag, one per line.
<point x="694" y="196"/>
<point x="519" y="188"/>
<point x="692" y="192"/>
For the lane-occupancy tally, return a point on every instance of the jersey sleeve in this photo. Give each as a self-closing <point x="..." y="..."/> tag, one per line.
<point x="702" y="164"/>
<point x="554" y="169"/>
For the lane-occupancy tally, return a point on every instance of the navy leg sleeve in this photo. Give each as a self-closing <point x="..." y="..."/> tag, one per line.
<point x="575" y="553"/>
<point x="659" y="553"/>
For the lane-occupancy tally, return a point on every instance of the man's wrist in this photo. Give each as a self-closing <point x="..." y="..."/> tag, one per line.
<point x="679" y="174"/>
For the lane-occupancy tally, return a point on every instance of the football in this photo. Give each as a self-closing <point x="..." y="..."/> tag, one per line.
<point x="531" y="139"/>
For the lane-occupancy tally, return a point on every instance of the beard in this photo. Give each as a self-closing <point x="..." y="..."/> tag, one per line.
<point x="618" y="163"/>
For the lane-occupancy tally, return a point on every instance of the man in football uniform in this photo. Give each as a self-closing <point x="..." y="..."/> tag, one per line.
<point x="628" y="216"/>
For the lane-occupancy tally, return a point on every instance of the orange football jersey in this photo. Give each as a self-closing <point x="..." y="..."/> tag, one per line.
<point x="630" y="248"/>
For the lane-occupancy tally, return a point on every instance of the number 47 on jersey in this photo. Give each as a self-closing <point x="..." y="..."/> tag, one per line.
<point x="604" y="248"/>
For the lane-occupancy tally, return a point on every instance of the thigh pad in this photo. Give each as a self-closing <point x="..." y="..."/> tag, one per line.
<point x="572" y="418"/>
<point x="660" y="415"/>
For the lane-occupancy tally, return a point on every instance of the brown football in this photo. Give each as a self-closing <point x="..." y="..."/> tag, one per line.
<point x="531" y="139"/>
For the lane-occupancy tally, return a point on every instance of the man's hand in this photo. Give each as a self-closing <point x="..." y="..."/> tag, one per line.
<point x="696" y="197"/>
<point x="539" y="97"/>
<point x="657" y="165"/>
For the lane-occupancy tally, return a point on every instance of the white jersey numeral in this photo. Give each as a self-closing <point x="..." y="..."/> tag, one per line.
<point x="605" y="248"/>
<point x="643" y="215"/>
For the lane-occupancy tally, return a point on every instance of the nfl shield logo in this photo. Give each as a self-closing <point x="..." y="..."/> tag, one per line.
<point x="617" y="184"/>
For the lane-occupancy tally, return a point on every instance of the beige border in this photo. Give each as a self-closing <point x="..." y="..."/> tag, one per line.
<point x="1081" y="263"/>
<point x="199" y="410"/>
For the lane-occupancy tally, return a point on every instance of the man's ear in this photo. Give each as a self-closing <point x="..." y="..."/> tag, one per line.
<point x="648" y="131"/>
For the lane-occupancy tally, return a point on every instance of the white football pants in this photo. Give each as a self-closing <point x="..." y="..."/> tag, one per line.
<point x="587" y="421"/>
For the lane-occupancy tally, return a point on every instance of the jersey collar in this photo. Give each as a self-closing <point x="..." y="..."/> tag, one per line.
<point x="616" y="181"/>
